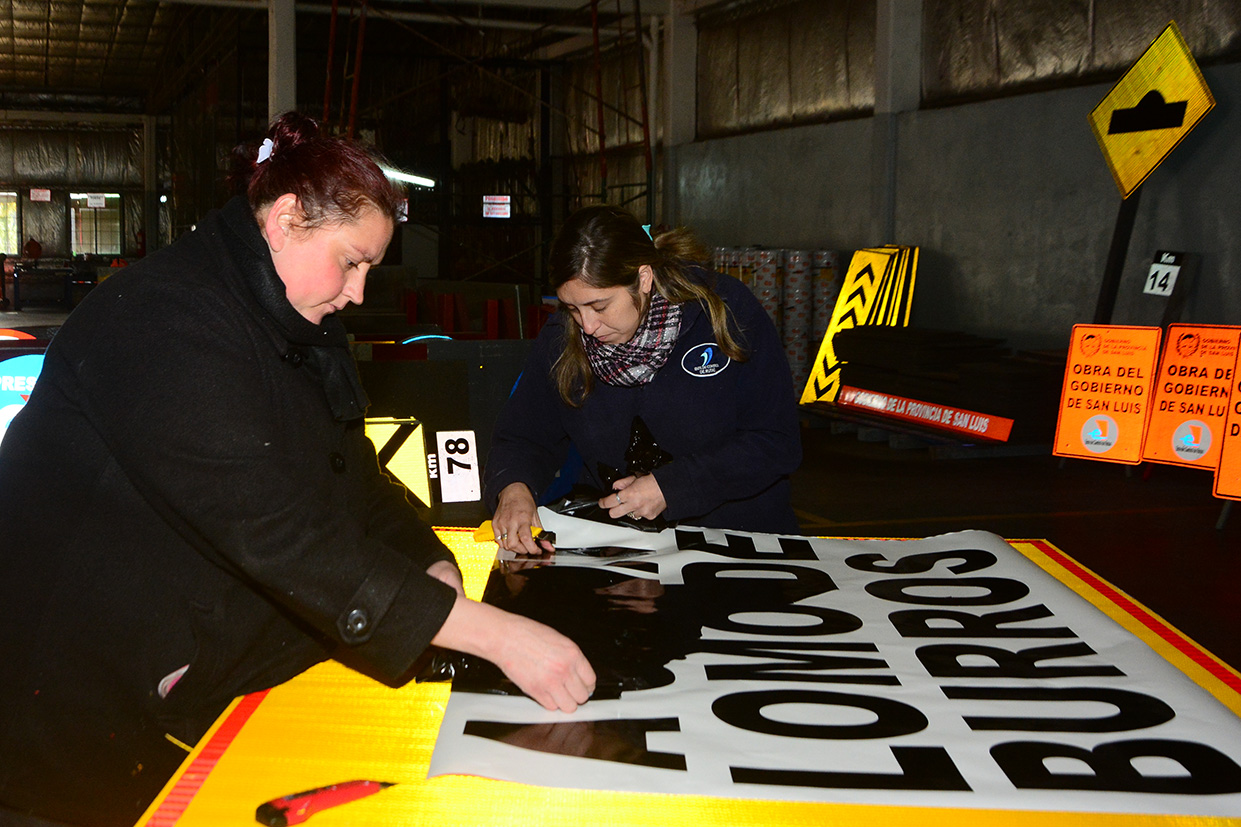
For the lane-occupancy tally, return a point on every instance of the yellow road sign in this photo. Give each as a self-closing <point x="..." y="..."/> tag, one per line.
<point x="1150" y="110"/>
<point x="878" y="290"/>
<point x="401" y="449"/>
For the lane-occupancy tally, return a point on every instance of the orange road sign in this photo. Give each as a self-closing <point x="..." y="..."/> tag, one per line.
<point x="1228" y="473"/>
<point x="1191" y="395"/>
<point x="1150" y="110"/>
<point x="1106" y="399"/>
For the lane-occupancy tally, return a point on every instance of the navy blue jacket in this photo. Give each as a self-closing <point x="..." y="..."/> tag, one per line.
<point x="730" y="426"/>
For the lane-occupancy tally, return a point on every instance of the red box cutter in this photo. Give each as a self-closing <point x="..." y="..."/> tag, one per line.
<point x="296" y="808"/>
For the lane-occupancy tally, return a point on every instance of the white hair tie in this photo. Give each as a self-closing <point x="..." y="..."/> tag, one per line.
<point x="265" y="150"/>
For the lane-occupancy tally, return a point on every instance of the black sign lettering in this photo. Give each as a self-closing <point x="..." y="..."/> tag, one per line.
<point x="998" y="590"/>
<point x="727" y="589"/>
<point x="1209" y="772"/>
<point x="944" y="660"/>
<point x="741" y="547"/>
<point x="745" y="711"/>
<point x="948" y="623"/>
<point x="972" y="559"/>
<point x="1135" y="710"/>
<point x="922" y="768"/>
<point x="802" y="661"/>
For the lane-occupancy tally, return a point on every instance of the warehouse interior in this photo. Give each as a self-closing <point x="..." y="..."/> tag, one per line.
<point x="959" y="128"/>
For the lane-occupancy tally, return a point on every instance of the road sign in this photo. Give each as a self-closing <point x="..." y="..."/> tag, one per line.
<point x="878" y="290"/>
<point x="1228" y="474"/>
<point x="1191" y="395"/>
<point x="960" y="421"/>
<point x="1105" y="402"/>
<point x="458" y="466"/>
<point x="401" y="449"/>
<point x="1150" y="110"/>
<point x="1161" y="280"/>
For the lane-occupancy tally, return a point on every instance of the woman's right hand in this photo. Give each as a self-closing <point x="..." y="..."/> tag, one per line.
<point x="515" y="514"/>
<point x="546" y="665"/>
<point x="543" y="663"/>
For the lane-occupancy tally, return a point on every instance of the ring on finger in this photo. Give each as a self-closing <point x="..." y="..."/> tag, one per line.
<point x="633" y="516"/>
<point x="619" y="501"/>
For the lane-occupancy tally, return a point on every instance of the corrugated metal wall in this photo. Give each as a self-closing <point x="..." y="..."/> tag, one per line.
<point x="65" y="158"/>
<point x="768" y="64"/>
<point x="771" y="64"/>
<point x="981" y="48"/>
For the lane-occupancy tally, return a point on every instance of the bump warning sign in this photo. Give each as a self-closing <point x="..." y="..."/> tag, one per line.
<point x="1105" y="401"/>
<point x="1150" y="110"/>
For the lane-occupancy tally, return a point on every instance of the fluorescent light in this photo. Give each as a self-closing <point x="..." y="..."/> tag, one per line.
<point x="407" y="178"/>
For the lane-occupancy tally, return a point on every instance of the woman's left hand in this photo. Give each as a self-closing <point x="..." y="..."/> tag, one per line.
<point x="446" y="572"/>
<point x="637" y="497"/>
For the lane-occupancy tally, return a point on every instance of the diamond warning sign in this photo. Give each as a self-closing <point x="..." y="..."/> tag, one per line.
<point x="1150" y="110"/>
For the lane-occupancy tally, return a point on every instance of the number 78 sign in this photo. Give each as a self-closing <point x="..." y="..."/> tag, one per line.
<point x="457" y="455"/>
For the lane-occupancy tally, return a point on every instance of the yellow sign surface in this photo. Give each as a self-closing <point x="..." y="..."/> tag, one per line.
<point x="1150" y="110"/>
<point x="878" y="290"/>
<point x="1228" y="473"/>
<point x="1191" y="395"/>
<point x="332" y="724"/>
<point x="1106" y="398"/>
<point x="400" y="445"/>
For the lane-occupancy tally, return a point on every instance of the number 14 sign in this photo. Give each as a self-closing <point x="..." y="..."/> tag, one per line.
<point x="457" y="455"/>
<point x="1161" y="280"/>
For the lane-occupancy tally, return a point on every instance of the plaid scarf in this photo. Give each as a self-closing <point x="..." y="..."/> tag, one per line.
<point x="637" y="361"/>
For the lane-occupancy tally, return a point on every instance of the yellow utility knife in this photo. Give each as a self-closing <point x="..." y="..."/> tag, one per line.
<point x="485" y="532"/>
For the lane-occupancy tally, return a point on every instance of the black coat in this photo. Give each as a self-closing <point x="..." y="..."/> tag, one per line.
<point x="178" y="491"/>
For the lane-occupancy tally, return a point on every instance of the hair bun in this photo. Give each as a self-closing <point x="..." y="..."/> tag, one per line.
<point x="291" y="129"/>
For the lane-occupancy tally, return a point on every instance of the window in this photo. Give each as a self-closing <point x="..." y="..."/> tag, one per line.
<point x="95" y="223"/>
<point x="9" y="241"/>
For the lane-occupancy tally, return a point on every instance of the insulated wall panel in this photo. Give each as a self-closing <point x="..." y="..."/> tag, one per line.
<point x="768" y="64"/>
<point x="984" y="48"/>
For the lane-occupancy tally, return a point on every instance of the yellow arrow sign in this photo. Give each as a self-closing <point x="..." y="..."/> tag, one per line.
<point x="878" y="290"/>
<point x="402" y="452"/>
<point x="1150" y="110"/>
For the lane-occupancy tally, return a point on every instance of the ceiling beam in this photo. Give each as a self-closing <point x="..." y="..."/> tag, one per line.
<point x="649" y="7"/>
<point x="626" y="6"/>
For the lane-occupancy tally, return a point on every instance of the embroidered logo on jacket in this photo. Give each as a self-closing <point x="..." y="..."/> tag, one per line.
<point x="704" y="360"/>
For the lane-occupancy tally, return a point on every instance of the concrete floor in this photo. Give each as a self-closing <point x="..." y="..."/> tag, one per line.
<point x="1149" y="530"/>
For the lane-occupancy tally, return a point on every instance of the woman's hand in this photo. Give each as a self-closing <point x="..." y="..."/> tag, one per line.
<point x="639" y="497"/>
<point x="543" y="663"/>
<point x="515" y="514"/>
<point x="446" y="572"/>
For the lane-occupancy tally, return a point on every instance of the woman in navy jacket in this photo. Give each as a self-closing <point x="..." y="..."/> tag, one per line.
<point x="190" y="509"/>
<point x="643" y="331"/>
